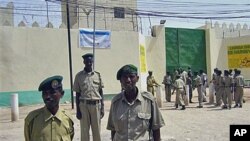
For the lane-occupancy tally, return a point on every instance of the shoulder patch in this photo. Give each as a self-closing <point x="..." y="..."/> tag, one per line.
<point x="147" y="95"/>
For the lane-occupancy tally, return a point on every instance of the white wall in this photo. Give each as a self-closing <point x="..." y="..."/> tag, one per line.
<point x="156" y="53"/>
<point x="217" y="51"/>
<point x="29" y="55"/>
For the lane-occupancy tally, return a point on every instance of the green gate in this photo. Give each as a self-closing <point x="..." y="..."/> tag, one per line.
<point x="184" y="48"/>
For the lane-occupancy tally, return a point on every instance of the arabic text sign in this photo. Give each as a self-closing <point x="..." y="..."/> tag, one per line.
<point x="239" y="56"/>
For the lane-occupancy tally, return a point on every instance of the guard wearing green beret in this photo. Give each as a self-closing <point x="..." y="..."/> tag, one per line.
<point x="134" y="115"/>
<point x="50" y="123"/>
<point x="89" y="99"/>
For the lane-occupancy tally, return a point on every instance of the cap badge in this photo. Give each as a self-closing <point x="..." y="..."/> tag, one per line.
<point x="54" y="84"/>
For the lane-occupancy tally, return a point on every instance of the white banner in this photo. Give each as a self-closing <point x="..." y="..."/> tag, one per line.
<point x="102" y="38"/>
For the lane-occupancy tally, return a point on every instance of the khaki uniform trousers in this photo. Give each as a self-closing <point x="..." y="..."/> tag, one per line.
<point x="239" y="95"/>
<point x="90" y="116"/>
<point x="200" y="95"/>
<point x="151" y="89"/>
<point x="168" y="93"/>
<point x="179" y="97"/>
<point x="219" y="94"/>
<point x="227" y="96"/>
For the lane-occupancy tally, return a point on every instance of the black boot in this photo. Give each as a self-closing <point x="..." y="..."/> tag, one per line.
<point x="183" y="107"/>
<point x="176" y="106"/>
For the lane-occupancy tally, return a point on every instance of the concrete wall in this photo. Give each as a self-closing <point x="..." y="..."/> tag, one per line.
<point x="217" y="51"/>
<point x="84" y="13"/>
<point x="156" y="53"/>
<point x="29" y="55"/>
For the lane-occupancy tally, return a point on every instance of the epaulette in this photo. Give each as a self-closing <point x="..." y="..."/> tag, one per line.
<point x="117" y="97"/>
<point x="148" y="95"/>
<point x="67" y="114"/>
<point x="97" y="72"/>
<point x="33" y="114"/>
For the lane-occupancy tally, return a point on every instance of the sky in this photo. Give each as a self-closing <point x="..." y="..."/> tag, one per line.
<point x="177" y="13"/>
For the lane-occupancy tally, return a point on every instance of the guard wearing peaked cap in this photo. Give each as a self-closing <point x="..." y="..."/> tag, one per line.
<point x="88" y="86"/>
<point x="138" y="102"/>
<point x="88" y="56"/>
<point x="45" y="123"/>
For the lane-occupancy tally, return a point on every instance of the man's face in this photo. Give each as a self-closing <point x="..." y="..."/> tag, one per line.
<point x="88" y="62"/>
<point x="128" y="81"/>
<point x="51" y="98"/>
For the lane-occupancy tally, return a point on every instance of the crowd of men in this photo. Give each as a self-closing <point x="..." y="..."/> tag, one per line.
<point x="225" y="88"/>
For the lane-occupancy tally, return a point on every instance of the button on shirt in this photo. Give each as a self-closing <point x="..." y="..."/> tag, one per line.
<point x="41" y="125"/>
<point x="88" y="85"/>
<point x="130" y="121"/>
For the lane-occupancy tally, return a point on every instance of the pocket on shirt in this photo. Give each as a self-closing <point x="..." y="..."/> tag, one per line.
<point x="144" y="117"/>
<point x="96" y="83"/>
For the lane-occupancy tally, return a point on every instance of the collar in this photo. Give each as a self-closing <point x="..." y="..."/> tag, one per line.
<point x="89" y="73"/>
<point x="138" y="98"/>
<point x="48" y="115"/>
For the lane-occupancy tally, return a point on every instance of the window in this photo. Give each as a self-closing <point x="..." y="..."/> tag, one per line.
<point x="119" y="12"/>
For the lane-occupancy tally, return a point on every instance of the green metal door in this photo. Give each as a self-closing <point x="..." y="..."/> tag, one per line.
<point x="184" y="48"/>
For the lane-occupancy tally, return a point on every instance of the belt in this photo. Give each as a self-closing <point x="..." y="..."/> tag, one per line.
<point x="91" y="102"/>
<point x="179" y="88"/>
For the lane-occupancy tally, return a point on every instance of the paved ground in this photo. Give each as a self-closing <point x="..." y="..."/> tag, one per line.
<point x="207" y="124"/>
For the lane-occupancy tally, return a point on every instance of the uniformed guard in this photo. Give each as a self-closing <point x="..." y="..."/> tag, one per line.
<point x="89" y="99"/>
<point x="180" y="88"/>
<point x="219" y="88"/>
<point x="151" y="83"/>
<point x="239" y="92"/>
<point x="134" y="115"/>
<point x="50" y="123"/>
<point x="198" y="86"/>
<point x="227" y="95"/>
<point x="167" y="81"/>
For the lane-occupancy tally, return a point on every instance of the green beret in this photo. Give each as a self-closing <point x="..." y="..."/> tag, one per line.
<point x="127" y="69"/>
<point x="51" y="83"/>
<point x="87" y="55"/>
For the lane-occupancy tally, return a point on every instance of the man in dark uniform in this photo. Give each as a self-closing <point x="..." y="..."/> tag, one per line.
<point x="50" y="122"/>
<point x="167" y="81"/>
<point x="89" y="99"/>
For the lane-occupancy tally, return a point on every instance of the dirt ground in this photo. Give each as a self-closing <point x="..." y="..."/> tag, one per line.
<point x="193" y="124"/>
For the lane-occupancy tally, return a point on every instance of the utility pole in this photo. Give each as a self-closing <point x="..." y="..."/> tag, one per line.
<point x="70" y="60"/>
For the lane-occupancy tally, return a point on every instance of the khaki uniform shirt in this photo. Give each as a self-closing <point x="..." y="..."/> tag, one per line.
<point x="151" y="81"/>
<point x="198" y="81"/>
<point x="88" y="85"/>
<point x="228" y="81"/>
<point x="41" y="125"/>
<point x="179" y="84"/>
<point x="130" y="121"/>
<point x="239" y="80"/>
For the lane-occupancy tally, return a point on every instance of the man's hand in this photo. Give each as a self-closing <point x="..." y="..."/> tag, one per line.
<point x="102" y="112"/>
<point x="78" y="114"/>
